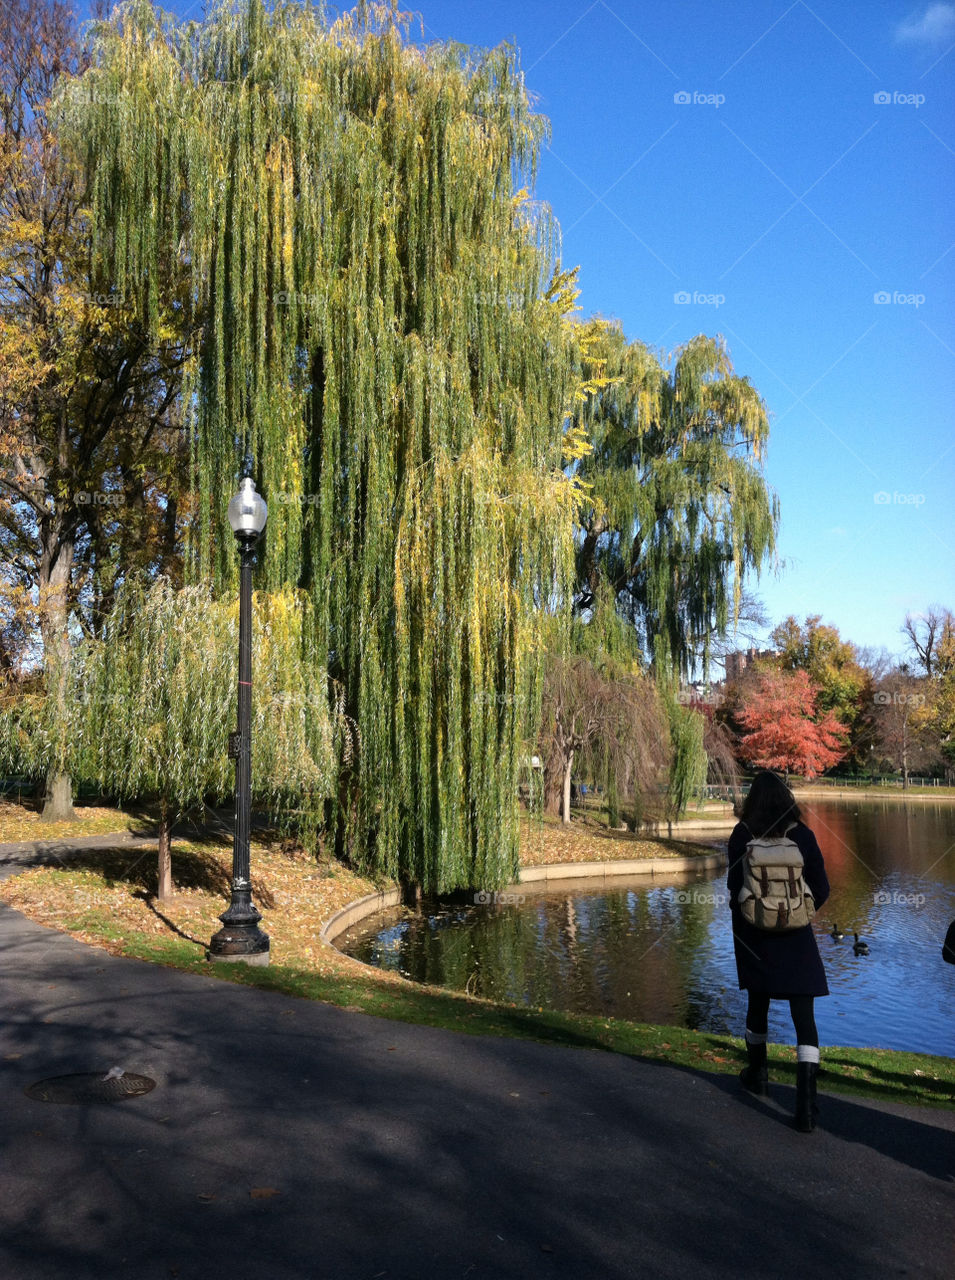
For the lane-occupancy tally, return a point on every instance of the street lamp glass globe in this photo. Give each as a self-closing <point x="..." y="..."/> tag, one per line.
<point x="247" y="511"/>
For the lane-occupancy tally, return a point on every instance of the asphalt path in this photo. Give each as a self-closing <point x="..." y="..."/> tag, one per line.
<point x="289" y="1140"/>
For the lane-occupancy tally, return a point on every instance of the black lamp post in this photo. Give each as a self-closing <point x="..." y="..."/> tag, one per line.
<point x="240" y="938"/>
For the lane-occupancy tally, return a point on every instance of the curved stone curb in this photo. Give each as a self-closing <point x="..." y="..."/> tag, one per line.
<point x="873" y="793"/>
<point x="718" y="826"/>
<point x="372" y="903"/>
<point x="619" y="867"/>
<point x="356" y="911"/>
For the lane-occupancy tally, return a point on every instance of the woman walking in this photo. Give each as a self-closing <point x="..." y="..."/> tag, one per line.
<point x="778" y="965"/>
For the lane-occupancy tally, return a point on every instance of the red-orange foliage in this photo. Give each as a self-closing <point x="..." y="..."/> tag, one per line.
<point x="781" y="729"/>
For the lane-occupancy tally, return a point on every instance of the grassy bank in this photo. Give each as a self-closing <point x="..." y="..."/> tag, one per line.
<point x="106" y="897"/>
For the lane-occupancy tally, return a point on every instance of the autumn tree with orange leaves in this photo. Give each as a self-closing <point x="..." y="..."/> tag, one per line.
<point x="781" y="727"/>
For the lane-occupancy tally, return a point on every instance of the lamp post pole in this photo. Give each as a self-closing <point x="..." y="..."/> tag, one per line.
<point x="240" y="938"/>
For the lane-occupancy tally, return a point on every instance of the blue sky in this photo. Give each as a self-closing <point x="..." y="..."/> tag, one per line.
<point x="790" y="169"/>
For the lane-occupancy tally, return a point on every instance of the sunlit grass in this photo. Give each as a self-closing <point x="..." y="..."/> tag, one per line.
<point x="21" y="820"/>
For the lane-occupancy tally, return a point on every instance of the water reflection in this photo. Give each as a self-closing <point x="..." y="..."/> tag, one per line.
<point x="661" y="951"/>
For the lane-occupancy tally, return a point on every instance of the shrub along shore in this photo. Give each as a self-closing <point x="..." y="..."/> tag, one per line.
<point x="106" y="897"/>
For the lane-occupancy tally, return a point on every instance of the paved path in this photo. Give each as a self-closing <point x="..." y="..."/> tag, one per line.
<point x="403" y="1153"/>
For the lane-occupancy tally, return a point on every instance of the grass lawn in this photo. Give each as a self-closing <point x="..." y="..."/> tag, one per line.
<point x="20" y="820"/>
<point x="106" y="897"/>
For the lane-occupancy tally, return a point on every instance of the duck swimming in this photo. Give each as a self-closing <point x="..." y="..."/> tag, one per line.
<point x="860" y="948"/>
<point x="837" y="935"/>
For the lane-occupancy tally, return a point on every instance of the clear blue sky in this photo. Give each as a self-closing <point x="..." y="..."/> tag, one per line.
<point x="782" y="164"/>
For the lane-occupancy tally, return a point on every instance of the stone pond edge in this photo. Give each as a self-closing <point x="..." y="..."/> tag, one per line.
<point x="354" y="912"/>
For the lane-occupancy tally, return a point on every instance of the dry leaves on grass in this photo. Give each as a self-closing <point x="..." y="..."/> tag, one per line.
<point x="585" y="840"/>
<point x="23" y="822"/>
<point x="119" y="886"/>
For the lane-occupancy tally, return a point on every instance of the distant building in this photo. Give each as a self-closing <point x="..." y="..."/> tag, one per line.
<point x="736" y="663"/>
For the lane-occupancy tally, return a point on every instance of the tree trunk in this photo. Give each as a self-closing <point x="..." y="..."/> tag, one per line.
<point x="411" y="895"/>
<point x="165" y="853"/>
<point x="613" y="810"/>
<point x="565" y="806"/>
<point x="53" y="581"/>
<point x="58" y="799"/>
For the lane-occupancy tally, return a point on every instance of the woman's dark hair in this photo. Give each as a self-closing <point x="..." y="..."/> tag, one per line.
<point x="769" y="807"/>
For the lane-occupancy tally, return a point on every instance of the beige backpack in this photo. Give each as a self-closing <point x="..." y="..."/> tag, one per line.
<point x="775" y="896"/>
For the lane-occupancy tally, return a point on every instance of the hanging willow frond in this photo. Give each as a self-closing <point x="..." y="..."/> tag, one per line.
<point x="150" y="703"/>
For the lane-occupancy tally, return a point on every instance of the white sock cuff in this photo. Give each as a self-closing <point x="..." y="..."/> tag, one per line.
<point x="756" y="1037"/>
<point x="807" y="1053"/>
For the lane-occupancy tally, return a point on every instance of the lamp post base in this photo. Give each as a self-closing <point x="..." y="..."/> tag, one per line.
<point x="247" y="945"/>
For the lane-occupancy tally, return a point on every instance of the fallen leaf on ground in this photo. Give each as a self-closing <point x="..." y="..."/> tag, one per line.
<point x="264" y="1193"/>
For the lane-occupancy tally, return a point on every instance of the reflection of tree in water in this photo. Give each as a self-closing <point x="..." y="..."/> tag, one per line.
<point x="437" y="945"/>
<point x="625" y="952"/>
<point x="877" y="846"/>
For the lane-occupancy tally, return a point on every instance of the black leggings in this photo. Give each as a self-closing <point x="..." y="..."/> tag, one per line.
<point x="804" y="1020"/>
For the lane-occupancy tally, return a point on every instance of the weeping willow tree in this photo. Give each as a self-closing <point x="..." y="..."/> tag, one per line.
<point x="376" y="313"/>
<point x="677" y="513"/>
<point x="678" y="509"/>
<point x="150" y="702"/>
<point x="604" y="720"/>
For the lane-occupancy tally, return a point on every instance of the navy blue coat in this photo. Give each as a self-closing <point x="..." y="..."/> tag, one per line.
<point x="778" y="964"/>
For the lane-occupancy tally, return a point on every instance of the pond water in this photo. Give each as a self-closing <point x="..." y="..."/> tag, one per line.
<point x="660" y="950"/>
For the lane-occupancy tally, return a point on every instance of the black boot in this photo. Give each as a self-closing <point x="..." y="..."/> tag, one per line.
<point x="755" y="1077"/>
<point x="806" y="1109"/>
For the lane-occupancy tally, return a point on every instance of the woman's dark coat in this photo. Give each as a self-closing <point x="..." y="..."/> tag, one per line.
<point x="778" y="964"/>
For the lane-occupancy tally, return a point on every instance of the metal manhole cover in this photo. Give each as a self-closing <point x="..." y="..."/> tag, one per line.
<point x="90" y="1087"/>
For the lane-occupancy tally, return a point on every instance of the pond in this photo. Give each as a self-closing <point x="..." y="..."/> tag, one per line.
<point x="659" y="950"/>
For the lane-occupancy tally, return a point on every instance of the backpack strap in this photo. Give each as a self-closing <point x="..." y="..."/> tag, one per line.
<point x="792" y="826"/>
